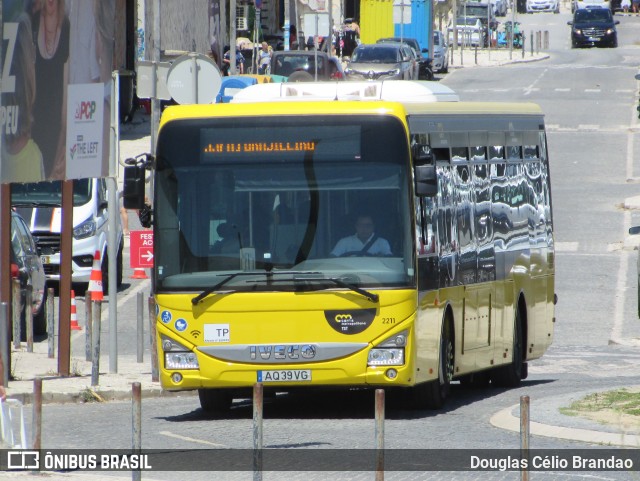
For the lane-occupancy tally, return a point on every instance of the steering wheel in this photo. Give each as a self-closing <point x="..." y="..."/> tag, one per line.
<point x="356" y="254"/>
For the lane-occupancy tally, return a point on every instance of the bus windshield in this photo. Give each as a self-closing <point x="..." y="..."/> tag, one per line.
<point x="254" y="204"/>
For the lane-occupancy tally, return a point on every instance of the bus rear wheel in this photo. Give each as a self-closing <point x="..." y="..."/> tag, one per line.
<point x="215" y="401"/>
<point x="511" y="374"/>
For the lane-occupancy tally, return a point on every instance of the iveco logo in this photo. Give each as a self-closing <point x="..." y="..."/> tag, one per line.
<point x="343" y="317"/>
<point x="282" y="351"/>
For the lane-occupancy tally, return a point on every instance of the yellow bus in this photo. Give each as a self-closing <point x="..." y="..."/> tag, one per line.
<point x="264" y="271"/>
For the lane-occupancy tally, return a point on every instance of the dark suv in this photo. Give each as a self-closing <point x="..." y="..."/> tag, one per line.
<point x="593" y="26"/>
<point x="301" y="65"/>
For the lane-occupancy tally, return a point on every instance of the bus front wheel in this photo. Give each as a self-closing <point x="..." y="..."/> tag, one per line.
<point x="215" y="400"/>
<point x="433" y="394"/>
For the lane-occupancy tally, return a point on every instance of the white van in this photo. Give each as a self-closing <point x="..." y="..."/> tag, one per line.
<point x="39" y="204"/>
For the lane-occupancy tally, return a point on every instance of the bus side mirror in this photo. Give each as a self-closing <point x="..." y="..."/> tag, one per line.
<point x="133" y="189"/>
<point x="426" y="180"/>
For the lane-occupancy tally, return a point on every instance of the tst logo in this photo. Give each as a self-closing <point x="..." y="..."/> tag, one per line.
<point x="85" y="110"/>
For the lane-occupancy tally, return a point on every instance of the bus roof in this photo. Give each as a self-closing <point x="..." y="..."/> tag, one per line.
<point x="345" y="107"/>
<point x="391" y="90"/>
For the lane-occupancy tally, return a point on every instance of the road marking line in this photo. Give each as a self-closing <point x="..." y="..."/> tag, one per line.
<point x="566" y="246"/>
<point x="192" y="440"/>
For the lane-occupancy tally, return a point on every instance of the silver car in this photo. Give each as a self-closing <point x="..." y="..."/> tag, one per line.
<point x="440" y="61"/>
<point x="382" y="61"/>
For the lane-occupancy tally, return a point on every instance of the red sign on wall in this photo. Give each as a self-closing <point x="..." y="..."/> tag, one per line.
<point x="141" y="249"/>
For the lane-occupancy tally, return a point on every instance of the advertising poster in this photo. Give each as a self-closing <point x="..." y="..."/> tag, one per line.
<point x="85" y="118"/>
<point x="51" y="50"/>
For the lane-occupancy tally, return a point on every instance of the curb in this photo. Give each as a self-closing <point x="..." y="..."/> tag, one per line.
<point x="499" y="63"/>
<point x="504" y="419"/>
<point x="89" y="395"/>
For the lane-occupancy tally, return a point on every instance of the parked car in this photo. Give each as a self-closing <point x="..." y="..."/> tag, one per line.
<point x="440" y="62"/>
<point x="471" y="32"/>
<point x="26" y="266"/>
<point x="425" y="69"/>
<point x="593" y="26"/>
<point x="543" y="6"/>
<point x="302" y="63"/>
<point x="381" y="61"/>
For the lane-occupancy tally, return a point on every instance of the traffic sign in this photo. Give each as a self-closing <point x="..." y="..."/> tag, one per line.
<point x="141" y="249"/>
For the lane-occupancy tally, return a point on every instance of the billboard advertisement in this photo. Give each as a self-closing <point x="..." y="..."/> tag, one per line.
<point x="55" y="105"/>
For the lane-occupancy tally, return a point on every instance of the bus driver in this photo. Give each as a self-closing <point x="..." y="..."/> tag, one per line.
<point x="363" y="242"/>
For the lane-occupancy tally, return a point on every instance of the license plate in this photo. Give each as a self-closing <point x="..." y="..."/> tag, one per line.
<point x="593" y="39"/>
<point x="45" y="259"/>
<point x="285" y="375"/>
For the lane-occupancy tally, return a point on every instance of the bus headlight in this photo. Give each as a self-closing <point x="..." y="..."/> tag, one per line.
<point x="176" y="356"/>
<point x="180" y="360"/>
<point x="386" y="357"/>
<point x="390" y="352"/>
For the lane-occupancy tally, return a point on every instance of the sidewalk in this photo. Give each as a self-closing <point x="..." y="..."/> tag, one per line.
<point x="494" y="57"/>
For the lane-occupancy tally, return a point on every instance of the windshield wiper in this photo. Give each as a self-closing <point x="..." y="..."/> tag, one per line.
<point x="269" y="274"/>
<point x="196" y="300"/>
<point x="341" y="283"/>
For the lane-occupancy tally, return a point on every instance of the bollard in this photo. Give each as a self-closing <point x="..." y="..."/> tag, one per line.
<point x="50" y="322"/>
<point x="379" y="434"/>
<point x="476" y="54"/>
<point x="524" y="436"/>
<point x="16" y="314"/>
<point x="258" y="404"/>
<point x="95" y="364"/>
<point x="37" y="413"/>
<point x="136" y="428"/>
<point x="4" y="341"/>
<point x="531" y="44"/>
<point x="28" y="316"/>
<point x="140" y="345"/>
<point x="154" y="345"/>
<point x="88" y="327"/>
<point x="546" y="40"/>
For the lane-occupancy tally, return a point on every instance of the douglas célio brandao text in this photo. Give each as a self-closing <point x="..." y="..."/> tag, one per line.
<point x="569" y="462"/>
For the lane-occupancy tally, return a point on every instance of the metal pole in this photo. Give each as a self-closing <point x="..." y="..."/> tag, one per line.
<point x="232" y="37"/>
<point x="136" y="436"/>
<point x="95" y="365"/>
<point x="114" y="219"/>
<point x="379" y="433"/>
<point x="257" y="430"/>
<point x="37" y="413"/>
<point x="88" y="340"/>
<point x="154" y="344"/>
<point x="4" y="341"/>
<point x="524" y="435"/>
<point x="16" y="303"/>
<point x="513" y="29"/>
<point x="50" y="322"/>
<point x="287" y="24"/>
<point x="28" y="317"/>
<point x="194" y="77"/>
<point x="140" y="329"/>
